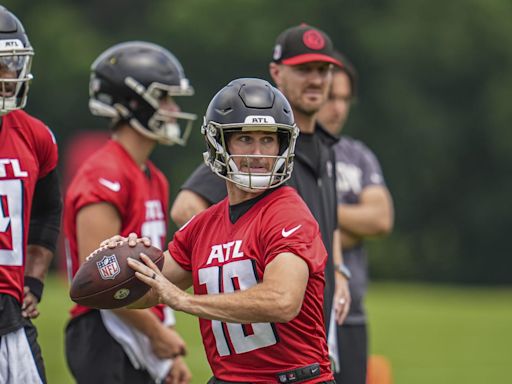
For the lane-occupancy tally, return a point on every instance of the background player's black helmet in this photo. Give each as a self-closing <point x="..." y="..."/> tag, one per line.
<point x="15" y="62"/>
<point x="129" y="80"/>
<point x="250" y="105"/>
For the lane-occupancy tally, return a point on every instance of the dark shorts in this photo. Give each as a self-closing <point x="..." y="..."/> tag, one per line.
<point x="353" y="354"/>
<point x="11" y="320"/>
<point x="93" y="356"/>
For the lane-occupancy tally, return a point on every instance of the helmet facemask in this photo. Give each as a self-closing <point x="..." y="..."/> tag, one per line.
<point x="223" y="162"/>
<point x="15" y="76"/>
<point x="167" y="127"/>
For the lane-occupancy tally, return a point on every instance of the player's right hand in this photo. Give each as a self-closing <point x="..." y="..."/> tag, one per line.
<point x="29" y="307"/>
<point x="179" y="373"/>
<point x="168" y="344"/>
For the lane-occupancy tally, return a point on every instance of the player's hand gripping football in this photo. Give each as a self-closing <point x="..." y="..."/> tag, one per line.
<point x="162" y="290"/>
<point x="132" y="240"/>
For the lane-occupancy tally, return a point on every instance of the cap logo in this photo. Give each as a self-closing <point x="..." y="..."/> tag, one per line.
<point x="277" y="52"/>
<point x="313" y="39"/>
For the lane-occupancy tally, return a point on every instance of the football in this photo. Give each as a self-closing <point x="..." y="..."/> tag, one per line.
<point x="105" y="281"/>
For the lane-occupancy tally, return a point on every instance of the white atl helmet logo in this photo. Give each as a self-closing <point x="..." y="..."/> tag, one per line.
<point x="264" y="120"/>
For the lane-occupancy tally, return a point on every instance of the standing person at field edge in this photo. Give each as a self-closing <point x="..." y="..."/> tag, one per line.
<point x="365" y="209"/>
<point x="256" y="260"/>
<point x="30" y="209"/>
<point x="118" y="190"/>
<point x="301" y="68"/>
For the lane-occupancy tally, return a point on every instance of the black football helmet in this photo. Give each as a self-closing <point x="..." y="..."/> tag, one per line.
<point x="249" y="104"/>
<point x="15" y="62"/>
<point x="127" y="83"/>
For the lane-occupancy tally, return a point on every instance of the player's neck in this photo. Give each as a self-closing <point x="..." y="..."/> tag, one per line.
<point x="237" y="196"/>
<point x="138" y="146"/>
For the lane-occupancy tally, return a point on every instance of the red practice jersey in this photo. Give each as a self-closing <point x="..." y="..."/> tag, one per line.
<point x="224" y="257"/>
<point x="28" y="152"/>
<point x="141" y="198"/>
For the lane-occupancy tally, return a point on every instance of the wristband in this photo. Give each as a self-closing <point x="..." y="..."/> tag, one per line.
<point x="342" y="268"/>
<point x="35" y="286"/>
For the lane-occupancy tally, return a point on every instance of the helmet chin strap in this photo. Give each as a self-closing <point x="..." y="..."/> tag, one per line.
<point x="251" y="181"/>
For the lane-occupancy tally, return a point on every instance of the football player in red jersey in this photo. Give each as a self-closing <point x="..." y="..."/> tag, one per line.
<point x="118" y="190"/>
<point x="30" y="208"/>
<point x="256" y="260"/>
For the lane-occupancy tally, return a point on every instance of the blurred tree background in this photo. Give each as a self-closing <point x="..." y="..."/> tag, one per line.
<point x="435" y="89"/>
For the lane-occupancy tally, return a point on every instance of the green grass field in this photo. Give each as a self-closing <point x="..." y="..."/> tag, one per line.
<point x="430" y="333"/>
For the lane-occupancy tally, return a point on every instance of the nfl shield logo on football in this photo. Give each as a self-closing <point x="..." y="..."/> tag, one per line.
<point x="108" y="267"/>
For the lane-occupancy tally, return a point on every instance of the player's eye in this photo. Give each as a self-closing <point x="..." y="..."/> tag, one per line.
<point x="245" y="138"/>
<point x="268" y="139"/>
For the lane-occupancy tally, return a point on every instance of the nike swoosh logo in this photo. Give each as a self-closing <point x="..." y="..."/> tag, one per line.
<point x="112" y="185"/>
<point x="286" y="233"/>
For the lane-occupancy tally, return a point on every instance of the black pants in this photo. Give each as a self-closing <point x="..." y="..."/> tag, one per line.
<point x="94" y="356"/>
<point x="353" y="354"/>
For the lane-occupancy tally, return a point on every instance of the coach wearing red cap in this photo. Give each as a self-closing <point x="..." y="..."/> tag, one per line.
<point x="301" y="67"/>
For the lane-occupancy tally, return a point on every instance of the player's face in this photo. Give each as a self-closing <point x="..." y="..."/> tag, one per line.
<point x="167" y="104"/>
<point x="306" y="86"/>
<point x="247" y="147"/>
<point x="7" y="88"/>
<point x="334" y="113"/>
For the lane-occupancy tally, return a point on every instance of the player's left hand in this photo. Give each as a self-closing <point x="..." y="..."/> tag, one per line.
<point x="29" y="307"/>
<point x="342" y="299"/>
<point x="162" y="289"/>
<point x="179" y="373"/>
<point x="132" y="240"/>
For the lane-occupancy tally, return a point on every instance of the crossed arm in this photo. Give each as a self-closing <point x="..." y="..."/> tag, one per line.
<point x="372" y="216"/>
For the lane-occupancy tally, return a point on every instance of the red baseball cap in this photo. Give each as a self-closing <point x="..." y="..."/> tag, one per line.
<point x="304" y="44"/>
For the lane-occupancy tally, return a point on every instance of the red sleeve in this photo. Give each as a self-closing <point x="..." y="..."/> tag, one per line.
<point x="104" y="186"/>
<point x="46" y="149"/>
<point x="292" y="228"/>
<point x="180" y="247"/>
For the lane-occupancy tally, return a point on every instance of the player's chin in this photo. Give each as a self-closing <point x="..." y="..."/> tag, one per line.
<point x="311" y="106"/>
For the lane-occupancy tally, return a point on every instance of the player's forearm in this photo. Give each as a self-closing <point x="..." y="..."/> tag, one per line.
<point x="37" y="262"/>
<point x="186" y="205"/>
<point x="337" y="254"/>
<point x="261" y="303"/>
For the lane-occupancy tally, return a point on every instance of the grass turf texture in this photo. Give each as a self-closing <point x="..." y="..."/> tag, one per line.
<point x="430" y="333"/>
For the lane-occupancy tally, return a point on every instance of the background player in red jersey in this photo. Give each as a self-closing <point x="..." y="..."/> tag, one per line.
<point x="118" y="190"/>
<point x="30" y="208"/>
<point x="256" y="260"/>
